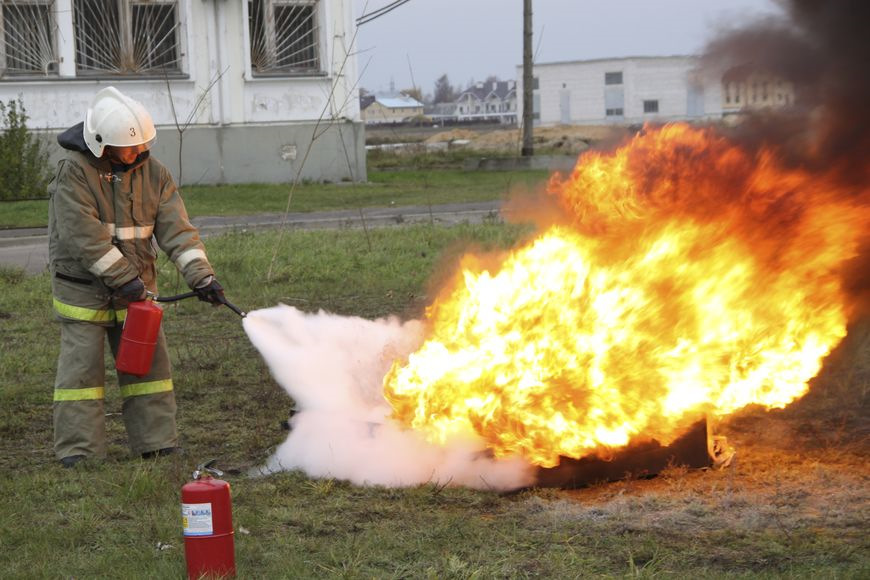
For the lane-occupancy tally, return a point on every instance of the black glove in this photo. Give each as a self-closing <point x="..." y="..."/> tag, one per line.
<point x="210" y="291"/>
<point x="131" y="291"/>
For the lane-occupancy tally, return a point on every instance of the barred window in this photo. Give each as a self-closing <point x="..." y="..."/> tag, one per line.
<point x="126" y="37"/>
<point x="28" y="46"/>
<point x="284" y="36"/>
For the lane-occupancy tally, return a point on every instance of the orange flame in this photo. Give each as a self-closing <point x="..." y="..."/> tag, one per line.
<point x="688" y="277"/>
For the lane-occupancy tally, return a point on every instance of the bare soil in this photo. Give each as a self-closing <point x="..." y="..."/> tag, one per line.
<point x="572" y="138"/>
<point x="559" y="138"/>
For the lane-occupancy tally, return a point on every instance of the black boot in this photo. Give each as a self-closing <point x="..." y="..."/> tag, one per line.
<point x="161" y="452"/>
<point x="71" y="460"/>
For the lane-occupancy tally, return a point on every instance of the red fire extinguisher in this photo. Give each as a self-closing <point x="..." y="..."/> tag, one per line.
<point x="206" y="512"/>
<point x="139" y="338"/>
<point x="141" y="328"/>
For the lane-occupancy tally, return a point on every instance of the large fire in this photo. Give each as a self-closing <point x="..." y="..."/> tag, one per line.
<point x="685" y="276"/>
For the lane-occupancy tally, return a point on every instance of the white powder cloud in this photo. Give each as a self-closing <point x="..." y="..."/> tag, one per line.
<point x="333" y="368"/>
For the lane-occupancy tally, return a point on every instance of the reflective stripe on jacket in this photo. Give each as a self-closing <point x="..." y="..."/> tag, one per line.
<point x="101" y="225"/>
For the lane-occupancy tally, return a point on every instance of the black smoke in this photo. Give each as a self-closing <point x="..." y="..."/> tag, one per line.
<point x="823" y="48"/>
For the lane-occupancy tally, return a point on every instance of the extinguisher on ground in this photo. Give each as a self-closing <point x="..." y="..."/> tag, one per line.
<point x="206" y="512"/>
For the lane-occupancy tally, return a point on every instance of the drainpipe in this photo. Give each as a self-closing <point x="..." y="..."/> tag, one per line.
<point x="212" y="42"/>
<point x="217" y="52"/>
<point x="65" y="38"/>
<point x="221" y="33"/>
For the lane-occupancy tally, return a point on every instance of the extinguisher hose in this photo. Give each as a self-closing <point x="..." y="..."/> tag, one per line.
<point x="191" y="294"/>
<point x="175" y="298"/>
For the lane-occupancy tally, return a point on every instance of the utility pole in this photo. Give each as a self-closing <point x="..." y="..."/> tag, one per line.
<point x="528" y="104"/>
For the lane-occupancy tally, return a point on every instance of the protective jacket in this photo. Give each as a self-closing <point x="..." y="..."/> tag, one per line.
<point x="101" y="221"/>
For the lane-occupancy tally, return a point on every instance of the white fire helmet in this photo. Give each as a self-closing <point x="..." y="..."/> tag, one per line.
<point x="115" y="119"/>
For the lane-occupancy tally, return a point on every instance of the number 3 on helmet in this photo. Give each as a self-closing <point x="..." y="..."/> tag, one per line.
<point x="115" y="119"/>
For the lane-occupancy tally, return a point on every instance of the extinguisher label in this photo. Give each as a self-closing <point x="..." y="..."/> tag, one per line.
<point x="197" y="519"/>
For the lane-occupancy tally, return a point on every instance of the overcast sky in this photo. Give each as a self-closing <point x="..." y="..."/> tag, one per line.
<point x="473" y="39"/>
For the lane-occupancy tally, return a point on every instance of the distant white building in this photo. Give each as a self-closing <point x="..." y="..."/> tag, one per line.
<point x="623" y="91"/>
<point x="250" y="79"/>
<point x="488" y="101"/>
<point x="747" y="89"/>
<point x="377" y="109"/>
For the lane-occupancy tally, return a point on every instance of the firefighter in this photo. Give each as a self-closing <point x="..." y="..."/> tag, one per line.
<point x="111" y="202"/>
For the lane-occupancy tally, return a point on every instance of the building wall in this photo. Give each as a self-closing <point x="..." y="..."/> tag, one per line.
<point x="575" y="92"/>
<point x="220" y="99"/>
<point x="377" y="113"/>
<point x="756" y="91"/>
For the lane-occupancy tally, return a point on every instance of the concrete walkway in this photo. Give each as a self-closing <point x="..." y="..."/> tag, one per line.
<point x="28" y="247"/>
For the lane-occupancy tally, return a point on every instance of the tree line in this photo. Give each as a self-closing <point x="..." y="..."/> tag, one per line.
<point x="443" y="91"/>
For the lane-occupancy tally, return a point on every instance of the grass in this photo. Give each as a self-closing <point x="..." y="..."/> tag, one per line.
<point x="421" y="158"/>
<point x="386" y="188"/>
<point x="795" y="504"/>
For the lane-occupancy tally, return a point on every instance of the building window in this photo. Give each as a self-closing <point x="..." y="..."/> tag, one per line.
<point x="126" y="37"/>
<point x="651" y="106"/>
<point x="614" y="112"/>
<point x="28" y="38"/>
<point x="284" y="36"/>
<point x="613" y="78"/>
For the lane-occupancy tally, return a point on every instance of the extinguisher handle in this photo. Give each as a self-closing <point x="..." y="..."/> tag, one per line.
<point x="207" y="468"/>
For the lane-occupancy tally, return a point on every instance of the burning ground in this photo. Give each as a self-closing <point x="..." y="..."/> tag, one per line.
<point x="678" y="276"/>
<point x="758" y="304"/>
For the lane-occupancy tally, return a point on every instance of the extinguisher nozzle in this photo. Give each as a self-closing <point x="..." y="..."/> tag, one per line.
<point x="207" y="468"/>
<point x="233" y="307"/>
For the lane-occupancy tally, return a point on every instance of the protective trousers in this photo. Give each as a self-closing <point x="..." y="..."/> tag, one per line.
<point x="79" y="419"/>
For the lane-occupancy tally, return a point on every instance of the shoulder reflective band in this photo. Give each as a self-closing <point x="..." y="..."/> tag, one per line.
<point x="91" y="394"/>
<point x="186" y="257"/>
<point x="107" y="261"/>
<point x="82" y="313"/>
<point x="149" y="388"/>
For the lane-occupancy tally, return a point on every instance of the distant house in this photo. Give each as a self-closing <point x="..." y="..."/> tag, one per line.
<point x="489" y="101"/>
<point x="389" y="109"/>
<point x="747" y="89"/>
<point x="365" y="101"/>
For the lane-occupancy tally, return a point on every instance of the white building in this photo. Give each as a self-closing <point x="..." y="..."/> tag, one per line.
<point x="623" y="91"/>
<point x="252" y="80"/>
<point x="392" y="109"/>
<point x="488" y="101"/>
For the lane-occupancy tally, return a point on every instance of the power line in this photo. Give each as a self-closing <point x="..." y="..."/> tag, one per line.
<point x="366" y="18"/>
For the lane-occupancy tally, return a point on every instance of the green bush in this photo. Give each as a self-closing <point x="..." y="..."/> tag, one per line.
<point x="24" y="167"/>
